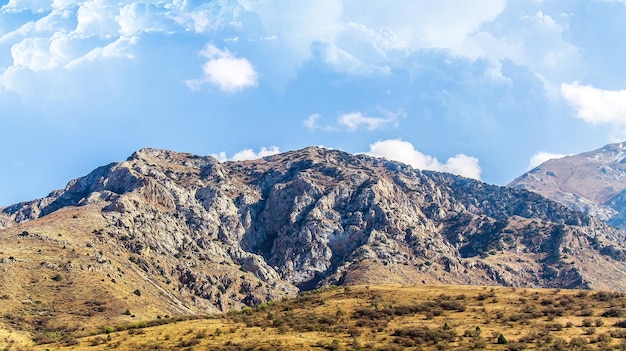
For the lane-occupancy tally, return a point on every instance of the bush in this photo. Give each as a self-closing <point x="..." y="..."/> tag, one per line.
<point x="502" y="340"/>
<point x="613" y="312"/>
<point x="423" y="335"/>
<point x="137" y="292"/>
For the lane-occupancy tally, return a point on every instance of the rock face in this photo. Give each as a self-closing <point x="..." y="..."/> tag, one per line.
<point x="217" y="236"/>
<point x="593" y="182"/>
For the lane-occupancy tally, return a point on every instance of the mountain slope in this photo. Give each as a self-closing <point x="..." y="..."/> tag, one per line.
<point x="593" y="182"/>
<point x="167" y="233"/>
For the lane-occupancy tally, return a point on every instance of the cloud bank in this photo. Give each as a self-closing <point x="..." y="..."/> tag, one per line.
<point x="405" y="152"/>
<point x="247" y="154"/>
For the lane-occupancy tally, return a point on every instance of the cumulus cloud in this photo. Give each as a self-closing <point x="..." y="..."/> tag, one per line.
<point x="405" y="152"/>
<point x="369" y="36"/>
<point x="351" y="36"/>
<point x="140" y="17"/>
<point x="296" y="25"/>
<point x="596" y="106"/>
<point x="541" y="157"/>
<point x="229" y="73"/>
<point x="248" y="154"/>
<point x="97" y="18"/>
<point x="33" y="53"/>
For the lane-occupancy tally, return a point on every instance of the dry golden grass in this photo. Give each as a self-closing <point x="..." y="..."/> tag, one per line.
<point x="59" y="279"/>
<point x="390" y="318"/>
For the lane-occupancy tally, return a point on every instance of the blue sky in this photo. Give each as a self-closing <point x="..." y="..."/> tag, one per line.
<point x="481" y="88"/>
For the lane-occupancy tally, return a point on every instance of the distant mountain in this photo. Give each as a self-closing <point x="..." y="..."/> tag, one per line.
<point x="168" y="233"/>
<point x="592" y="182"/>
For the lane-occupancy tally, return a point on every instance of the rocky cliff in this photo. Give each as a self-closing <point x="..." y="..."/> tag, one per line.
<point x="198" y="235"/>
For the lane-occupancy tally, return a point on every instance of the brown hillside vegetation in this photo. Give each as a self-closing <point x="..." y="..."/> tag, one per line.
<point x="388" y="318"/>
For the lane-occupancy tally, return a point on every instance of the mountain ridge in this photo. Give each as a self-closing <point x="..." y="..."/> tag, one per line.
<point x="168" y="233"/>
<point x="593" y="182"/>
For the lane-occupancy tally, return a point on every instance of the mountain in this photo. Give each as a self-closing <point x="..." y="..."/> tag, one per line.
<point x="593" y="182"/>
<point x="166" y="233"/>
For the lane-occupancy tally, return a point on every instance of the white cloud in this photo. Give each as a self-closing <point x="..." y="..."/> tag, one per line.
<point x="351" y="36"/>
<point x="296" y="25"/>
<point x="463" y="165"/>
<point x="119" y="48"/>
<point x="355" y="120"/>
<point x="248" y="154"/>
<point x="35" y="6"/>
<point x="140" y="17"/>
<point x="311" y="122"/>
<point x="314" y="122"/>
<point x="405" y="152"/>
<point x="368" y="36"/>
<point x="223" y="69"/>
<point x="421" y="24"/>
<point x="97" y="18"/>
<point x="535" y="41"/>
<point x="32" y="53"/>
<point x="542" y="157"/>
<point x="594" y="105"/>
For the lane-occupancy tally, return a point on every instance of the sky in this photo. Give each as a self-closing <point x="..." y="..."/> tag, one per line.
<point x="481" y="88"/>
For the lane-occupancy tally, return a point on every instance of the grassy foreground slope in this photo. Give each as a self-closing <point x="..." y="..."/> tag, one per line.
<point x="391" y="318"/>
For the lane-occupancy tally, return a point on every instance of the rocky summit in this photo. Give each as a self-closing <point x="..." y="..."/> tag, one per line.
<point x="592" y="182"/>
<point x="167" y="233"/>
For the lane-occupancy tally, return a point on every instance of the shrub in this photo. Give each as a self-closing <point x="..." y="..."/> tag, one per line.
<point x="613" y="312"/>
<point x="137" y="292"/>
<point x="423" y="335"/>
<point x="586" y="312"/>
<point x="502" y="340"/>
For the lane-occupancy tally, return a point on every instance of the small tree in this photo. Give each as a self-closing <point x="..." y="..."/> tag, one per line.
<point x="137" y="292"/>
<point x="502" y="340"/>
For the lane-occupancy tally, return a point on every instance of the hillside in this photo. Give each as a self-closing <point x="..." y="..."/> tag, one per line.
<point x="391" y="318"/>
<point x="592" y="182"/>
<point x="171" y="234"/>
